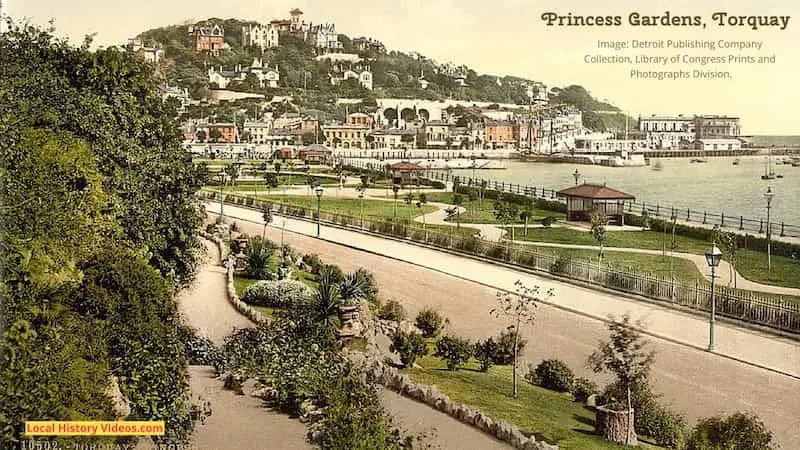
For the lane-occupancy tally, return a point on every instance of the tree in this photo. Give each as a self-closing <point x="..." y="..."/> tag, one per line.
<point x="454" y="350"/>
<point x="526" y="214"/>
<point x="409" y="346"/>
<point x="270" y="181"/>
<point x="519" y="307"/>
<point x="409" y="199"/>
<point x="458" y="200"/>
<point x="267" y="216"/>
<point x="201" y="136"/>
<point x="599" y="221"/>
<point x="505" y="212"/>
<point x="484" y="353"/>
<point x="625" y="356"/>
<point x="730" y="243"/>
<point x="423" y="200"/>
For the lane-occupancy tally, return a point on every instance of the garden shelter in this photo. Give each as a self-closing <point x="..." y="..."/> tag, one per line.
<point x="582" y="200"/>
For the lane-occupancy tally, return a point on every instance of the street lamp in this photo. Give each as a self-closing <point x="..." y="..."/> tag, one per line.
<point x="577" y="176"/>
<point x="318" y="190"/>
<point x="713" y="257"/>
<point x="221" y="178"/>
<point x="768" y="195"/>
<point x="361" y="198"/>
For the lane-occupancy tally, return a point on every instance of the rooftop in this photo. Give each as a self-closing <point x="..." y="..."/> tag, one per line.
<point x="405" y="166"/>
<point x="595" y="191"/>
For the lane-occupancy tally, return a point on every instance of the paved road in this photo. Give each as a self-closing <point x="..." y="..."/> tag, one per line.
<point x="695" y="382"/>
<point x="236" y="422"/>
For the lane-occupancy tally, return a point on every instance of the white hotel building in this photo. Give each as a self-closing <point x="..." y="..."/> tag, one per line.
<point x="667" y="132"/>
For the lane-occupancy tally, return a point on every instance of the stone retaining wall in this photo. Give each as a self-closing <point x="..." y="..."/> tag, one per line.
<point x="430" y="395"/>
<point x="229" y="264"/>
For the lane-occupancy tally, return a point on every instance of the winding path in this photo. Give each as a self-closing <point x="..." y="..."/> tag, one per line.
<point x="236" y="422"/>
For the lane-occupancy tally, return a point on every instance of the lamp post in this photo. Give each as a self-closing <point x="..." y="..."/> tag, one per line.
<point x="395" y="189"/>
<point x="221" y="178"/>
<point x="713" y="257"/>
<point x="577" y="176"/>
<point x="318" y="190"/>
<point x="361" y="199"/>
<point x="768" y="195"/>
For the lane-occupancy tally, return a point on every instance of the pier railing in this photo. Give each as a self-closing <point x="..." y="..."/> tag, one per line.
<point x="768" y="310"/>
<point x="731" y="222"/>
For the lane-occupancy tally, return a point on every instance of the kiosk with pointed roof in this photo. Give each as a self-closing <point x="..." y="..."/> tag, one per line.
<point x="583" y="199"/>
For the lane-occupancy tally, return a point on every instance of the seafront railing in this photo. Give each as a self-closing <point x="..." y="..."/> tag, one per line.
<point x="652" y="210"/>
<point x="768" y="310"/>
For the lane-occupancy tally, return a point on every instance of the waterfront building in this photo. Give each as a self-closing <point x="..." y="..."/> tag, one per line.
<point x="604" y="143"/>
<point x="393" y="138"/>
<point x="437" y="134"/>
<point x="358" y="118"/>
<point x="208" y="39"/>
<point x="678" y="132"/>
<point x="582" y="200"/>
<point x="256" y="132"/>
<point x="261" y="36"/>
<point x="710" y="127"/>
<point x="404" y="173"/>
<point x="717" y="144"/>
<point x="228" y="133"/>
<point x="345" y="136"/>
<point x="500" y="134"/>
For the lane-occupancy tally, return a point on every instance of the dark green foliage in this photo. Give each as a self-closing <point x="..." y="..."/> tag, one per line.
<point x="454" y="350"/>
<point x="429" y="322"/>
<point x="504" y="353"/>
<point x="409" y="346"/>
<point x="259" y="254"/>
<point x="369" y="286"/>
<point x="485" y="353"/>
<point x="739" y="430"/>
<point x="547" y="221"/>
<point x="313" y="262"/>
<point x="582" y="388"/>
<point x="552" y="374"/>
<point x="198" y="350"/>
<point x="392" y="310"/>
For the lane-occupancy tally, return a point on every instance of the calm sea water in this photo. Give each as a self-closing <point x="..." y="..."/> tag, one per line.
<point x="716" y="186"/>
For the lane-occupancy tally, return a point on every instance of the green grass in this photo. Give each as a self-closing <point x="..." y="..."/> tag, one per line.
<point x="547" y="414"/>
<point x="241" y="283"/>
<point x="445" y="229"/>
<point x="749" y="263"/>
<point x="483" y="212"/>
<point x="373" y="209"/>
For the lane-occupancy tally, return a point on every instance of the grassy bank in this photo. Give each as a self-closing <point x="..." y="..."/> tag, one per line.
<point x="749" y="263"/>
<point x="551" y="416"/>
<point x="483" y="211"/>
<point x="373" y="209"/>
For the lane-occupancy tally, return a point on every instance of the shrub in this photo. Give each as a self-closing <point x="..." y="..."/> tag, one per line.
<point x="334" y="272"/>
<point x="504" y="354"/>
<point x="429" y="322"/>
<point x="370" y="286"/>
<point x="739" y="430"/>
<point x="313" y="263"/>
<point x="409" y="346"/>
<point x="277" y="294"/>
<point x="200" y="351"/>
<point x="258" y="258"/>
<point x="485" y="352"/>
<point x="454" y="350"/>
<point x="547" y="221"/>
<point x="392" y="310"/>
<point x="552" y="374"/>
<point x="582" y="388"/>
<point x="560" y="265"/>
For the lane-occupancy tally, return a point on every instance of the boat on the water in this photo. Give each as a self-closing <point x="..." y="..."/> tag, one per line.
<point x="769" y="172"/>
<point x="657" y="165"/>
<point x="697" y="160"/>
<point x="736" y="162"/>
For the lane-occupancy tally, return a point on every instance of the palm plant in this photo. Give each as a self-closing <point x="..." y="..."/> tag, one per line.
<point x="353" y="288"/>
<point x="257" y="262"/>
<point x="328" y="296"/>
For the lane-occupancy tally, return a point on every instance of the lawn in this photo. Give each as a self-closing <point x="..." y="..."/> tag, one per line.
<point x="749" y="263"/>
<point x="549" y="415"/>
<point x="374" y="209"/>
<point x="483" y="212"/>
<point x="445" y="229"/>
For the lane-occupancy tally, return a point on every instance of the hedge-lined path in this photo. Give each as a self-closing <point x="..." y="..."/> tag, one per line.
<point x="694" y="381"/>
<point x="236" y="422"/>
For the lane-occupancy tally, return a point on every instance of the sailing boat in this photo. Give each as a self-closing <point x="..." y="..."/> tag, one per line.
<point x="769" y="172"/>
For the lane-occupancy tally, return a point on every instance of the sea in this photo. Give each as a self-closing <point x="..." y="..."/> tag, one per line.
<point x="716" y="186"/>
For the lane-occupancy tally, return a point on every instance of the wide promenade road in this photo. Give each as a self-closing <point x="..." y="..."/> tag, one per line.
<point x="694" y="381"/>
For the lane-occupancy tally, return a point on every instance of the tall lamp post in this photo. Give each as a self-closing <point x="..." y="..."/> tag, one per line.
<point x="361" y="199"/>
<point x="221" y="178"/>
<point x="577" y="176"/>
<point x="768" y="195"/>
<point x="713" y="257"/>
<point x="318" y="190"/>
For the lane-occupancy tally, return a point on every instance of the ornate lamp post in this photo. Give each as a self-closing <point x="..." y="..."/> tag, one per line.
<point x="577" y="176"/>
<point x="221" y="178"/>
<point x="768" y="195"/>
<point x="318" y="190"/>
<point x="361" y="199"/>
<point x="713" y="257"/>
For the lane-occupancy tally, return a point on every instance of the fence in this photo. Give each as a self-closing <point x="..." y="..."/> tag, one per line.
<point x="763" y="309"/>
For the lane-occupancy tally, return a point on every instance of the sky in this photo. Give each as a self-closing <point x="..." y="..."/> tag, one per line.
<point x="509" y="38"/>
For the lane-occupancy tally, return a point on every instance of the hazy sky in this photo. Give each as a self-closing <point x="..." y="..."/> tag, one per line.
<point x="508" y="37"/>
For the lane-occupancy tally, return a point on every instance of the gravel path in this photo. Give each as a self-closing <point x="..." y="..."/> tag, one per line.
<point x="696" y="383"/>
<point x="236" y="422"/>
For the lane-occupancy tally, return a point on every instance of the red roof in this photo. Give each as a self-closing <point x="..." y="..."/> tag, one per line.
<point x="405" y="166"/>
<point x="595" y="191"/>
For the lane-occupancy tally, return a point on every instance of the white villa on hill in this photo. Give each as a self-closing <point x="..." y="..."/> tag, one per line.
<point x="267" y="77"/>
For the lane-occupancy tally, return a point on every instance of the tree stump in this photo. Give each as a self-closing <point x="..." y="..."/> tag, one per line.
<point x="611" y="425"/>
